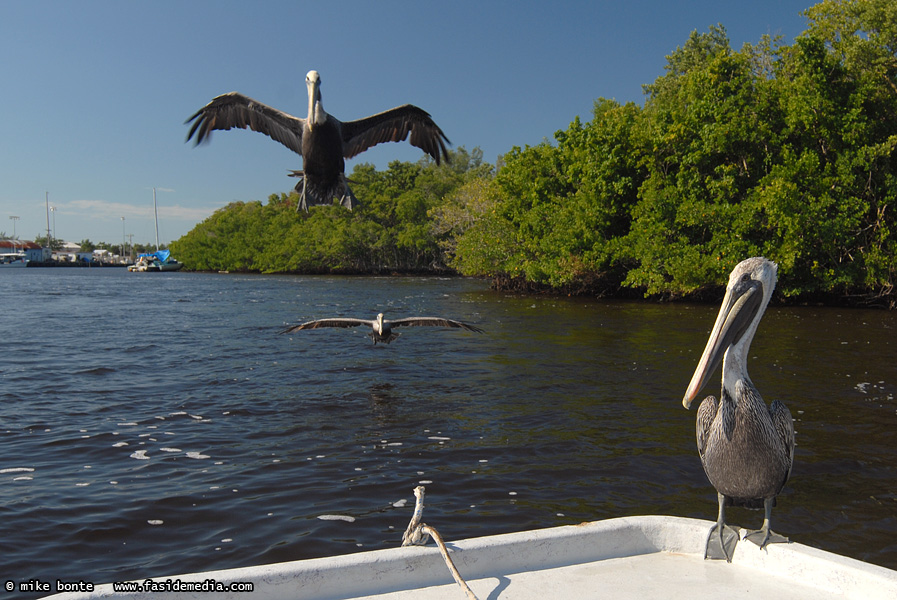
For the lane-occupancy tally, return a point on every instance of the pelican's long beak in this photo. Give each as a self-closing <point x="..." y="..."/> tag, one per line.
<point x="313" y="82"/>
<point x="740" y="305"/>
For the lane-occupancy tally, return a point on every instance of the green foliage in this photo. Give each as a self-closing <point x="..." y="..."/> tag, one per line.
<point x="390" y="231"/>
<point x="782" y="151"/>
<point x="41" y="240"/>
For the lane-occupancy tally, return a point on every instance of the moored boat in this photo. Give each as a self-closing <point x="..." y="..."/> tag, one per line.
<point x="13" y="260"/>
<point x="626" y="557"/>
<point x="156" y="261"/>
<point x="160" y="260"/>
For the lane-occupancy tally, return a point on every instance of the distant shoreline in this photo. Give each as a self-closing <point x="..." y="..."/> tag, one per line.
<point x="53" y="263"/>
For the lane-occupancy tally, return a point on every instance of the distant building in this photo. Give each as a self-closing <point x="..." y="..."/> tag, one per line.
<point x="32" y="251"/>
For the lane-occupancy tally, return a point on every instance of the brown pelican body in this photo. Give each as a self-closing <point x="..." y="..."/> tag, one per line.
<point x="323" y="141"/>
<point x="381" y="329"/>
<point x="746" y="448"/>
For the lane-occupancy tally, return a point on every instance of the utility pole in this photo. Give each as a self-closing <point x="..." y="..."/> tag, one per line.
<point x="49" y="242"/>
<point x="156" y="216"/>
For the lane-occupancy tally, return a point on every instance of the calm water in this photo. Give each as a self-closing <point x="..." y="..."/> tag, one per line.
<point x="156" y="424"/>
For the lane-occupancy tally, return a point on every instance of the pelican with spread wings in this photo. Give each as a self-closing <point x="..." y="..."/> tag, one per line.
<point x="323" y="141"/>
<point x="381" y="329"/>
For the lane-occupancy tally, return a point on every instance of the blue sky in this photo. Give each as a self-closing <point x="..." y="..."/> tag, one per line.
<point x="95" y="93"/>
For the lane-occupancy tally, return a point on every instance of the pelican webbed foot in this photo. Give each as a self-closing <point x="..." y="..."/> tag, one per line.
<point x="348" y="201"/>
<point x="722" y="539"/>
<point x="302" y="205"/>
<point x="721" y="543"/>
<point x="765" y="535"/>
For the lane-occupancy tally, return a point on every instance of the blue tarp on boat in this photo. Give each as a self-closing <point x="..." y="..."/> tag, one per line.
<point x="162" y="255"/>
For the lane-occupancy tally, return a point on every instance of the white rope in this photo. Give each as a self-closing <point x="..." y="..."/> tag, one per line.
<point x="417" y="533"/>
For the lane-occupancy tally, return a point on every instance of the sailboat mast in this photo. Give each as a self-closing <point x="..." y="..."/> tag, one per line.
<point x="49" y="242"/>
<point x="156" y="215"/>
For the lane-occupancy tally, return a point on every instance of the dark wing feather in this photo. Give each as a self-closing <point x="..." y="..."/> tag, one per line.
<point x="236" y="110"/>
<point x="337" y="322"/>
<point x="706" y="414"/>
<point x="433" y="322"/>
<point x="784" y="424"/>
<point x="395" y="125"/>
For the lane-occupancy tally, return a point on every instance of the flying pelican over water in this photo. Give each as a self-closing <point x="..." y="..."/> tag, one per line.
<point x="323" y="140"/>
<point x="381" y="329"/>
<point x="747" y="448"/>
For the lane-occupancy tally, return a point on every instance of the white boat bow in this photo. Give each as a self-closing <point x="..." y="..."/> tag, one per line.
<point x="627" y="557"/>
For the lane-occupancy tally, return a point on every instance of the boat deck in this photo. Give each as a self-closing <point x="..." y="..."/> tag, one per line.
<point x="628" y="557"/>
<point x="656" y="575"/>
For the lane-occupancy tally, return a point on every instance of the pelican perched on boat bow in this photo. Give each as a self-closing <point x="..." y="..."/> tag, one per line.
<point x="746" y="448"/>
<point x="323" y="140"/>
<point x="381" y="329"/>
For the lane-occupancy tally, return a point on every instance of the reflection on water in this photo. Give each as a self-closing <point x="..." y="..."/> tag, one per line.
<point x="157" y="424"/>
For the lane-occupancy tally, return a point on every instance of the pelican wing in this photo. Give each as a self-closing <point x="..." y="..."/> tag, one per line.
<point x="706" y="413"/>
<point x="338" y="322"/>
<point x="236" y="110"/>
<point x="395" y="125"/>
<point x="433" y="322"/>
<point x="784" y="424"/>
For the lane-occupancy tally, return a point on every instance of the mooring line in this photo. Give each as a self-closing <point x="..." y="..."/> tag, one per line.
<point x="416" y="534"/>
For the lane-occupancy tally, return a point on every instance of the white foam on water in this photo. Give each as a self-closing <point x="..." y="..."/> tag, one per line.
<point x="155" y="521"/>
<point x="17" y="470"/>
<point x="197" y="455"/>
<point x="345" y="518"/>
<point x="400" y="503"/>
<point x="170" y="449"/>
<point x="119" y="444"/>
<point x="439" y="438"/>
<point x="129" y="424"/>
<point x="140" y="455"/>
